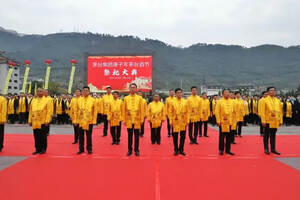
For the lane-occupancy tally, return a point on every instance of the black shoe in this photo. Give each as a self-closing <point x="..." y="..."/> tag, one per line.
<point x="113" y="143"/>
<point x="129" y="153"/>
<point x="137" y="153"/>
<point x="182" y="153"/>
<point x="118" y="142"/>
<point x="0" y="150"/>
<point x="169" y="135"/>
<point x="206" y="136"/>
<point x="158" y="143"/>
<point x="36" y="152"/>
<point x="195" y="142"/>
<point x="240" y="136"/>
<point x="267" y="152"/>
<point x="191" y="142"/>
<point x="221" y="153"/>
<point x="75" y="142"/>
<point x="80" y="152"/>
<point x="104" y="135"/>
<point x="233" y="143"/>
<point x="142" y="135"/>
<point x="42" y="152"/>
<point x="200" y="135"/>
<point x="90" y="152"/>
<point x="230" y="153"/>
<point x="175" y="153"/>
<point x="275" y="152"/>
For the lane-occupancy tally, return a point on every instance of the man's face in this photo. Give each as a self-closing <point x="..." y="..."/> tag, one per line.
<point x="272" y="92"/>
<point x="77" y="93"/>
<point x="85" y="92"/>
<point x="115" y="95"/>
<point x="132" y="89"/>
<point x="172" y="93"/>
<point x="238" y="95"/>
<point x="156" y="97"/>
<point x="40" y="92"/>
<point x="108" y="90"/>
<point x="204" y="96"/>
<point x="194" y="91"/>
<point x="179" y="94"/>
<point x="22" y="95"/>
<point x="232" y="95"/>
<point x="226" y="94"/>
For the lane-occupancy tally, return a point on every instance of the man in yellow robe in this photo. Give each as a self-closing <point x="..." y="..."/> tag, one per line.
<point x="261" y="102"/>
<point x="87" y="118"/>
<point x="39" y="118"/>
<point x="99" y="108"/>
<point x="205" y="108"/>
<point x="106" y="99"/>
<point x="144" y="105"/>
<point x="3" y="115"/>
<point x="271" y="118"/>
<point x="59" y="109"/>
<point x="224" y="116"/>
<point x="133" y="118"/>
<point x="74" y="114"/>
<point x="114" y="117"/>
<point x="240" y="108"/>
<point x="234" y="122"/>
<point x="179" y="121"/>
<point x="12" y="109"/>
<point x="22" y="108"/>
<point x="156" y="115"/>
<point x="194" y="110"/>
<point x="288" y="108"/>
<point x="169" y="101"/>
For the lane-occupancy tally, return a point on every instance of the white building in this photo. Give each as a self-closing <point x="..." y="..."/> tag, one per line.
<point x="14" y="82"/>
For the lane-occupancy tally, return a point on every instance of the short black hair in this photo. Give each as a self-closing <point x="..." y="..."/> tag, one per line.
<point x="108" y="87"/>
<point x="133" y="84"/>
<point x="193" y="87"/>
<point x="203" y="93"/>
<point x="86" y="87"/>
<point x="171" y="90"/>
<point x="116" y="92"/>
<point x="177" y="89"/>
<point x="237" y="92"/>
<point x="264" y="92"/>
<point x="271" y="87"/>
<point x="78" y="89"/>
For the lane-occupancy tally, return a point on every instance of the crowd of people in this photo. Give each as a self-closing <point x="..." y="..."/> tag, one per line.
<point x="83" y="110"/>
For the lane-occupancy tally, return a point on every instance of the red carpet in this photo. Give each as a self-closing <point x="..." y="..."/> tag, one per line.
<point x="155" y="175"/>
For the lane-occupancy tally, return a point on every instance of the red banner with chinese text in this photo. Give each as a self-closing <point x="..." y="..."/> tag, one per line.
<point x="119" y="71"/>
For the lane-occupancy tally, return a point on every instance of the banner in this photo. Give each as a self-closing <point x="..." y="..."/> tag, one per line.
<point x="71" y="79"/>
<point x="25" y="78"/>
<point x="47" y="77"/>
<point x="8" y="76"/>
<point x="119" y="71"/>
<point x="29" y="88"/>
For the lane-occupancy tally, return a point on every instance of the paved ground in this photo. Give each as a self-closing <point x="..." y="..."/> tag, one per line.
<point x="68" y="129"/>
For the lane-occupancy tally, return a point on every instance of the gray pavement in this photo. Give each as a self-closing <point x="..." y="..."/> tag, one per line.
<point x="292" y="162"/>
<point x="7" y="161"/>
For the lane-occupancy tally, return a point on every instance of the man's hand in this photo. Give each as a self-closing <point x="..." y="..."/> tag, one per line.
<point x="30" y="124"/>
<point x="219" y="124"/>
<point x="263" y="124"/>
<point x="46" y="124"/>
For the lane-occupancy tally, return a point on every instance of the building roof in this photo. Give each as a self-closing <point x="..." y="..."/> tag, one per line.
<point x="4" y="59"/>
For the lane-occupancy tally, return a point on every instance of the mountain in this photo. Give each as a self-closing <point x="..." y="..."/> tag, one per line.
<point x="226" y="65"/>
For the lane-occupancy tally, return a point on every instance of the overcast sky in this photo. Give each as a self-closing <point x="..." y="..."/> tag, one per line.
<point x="176" y="22"/>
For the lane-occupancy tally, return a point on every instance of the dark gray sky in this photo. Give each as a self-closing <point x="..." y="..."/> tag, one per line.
<point x="176" y="22"/>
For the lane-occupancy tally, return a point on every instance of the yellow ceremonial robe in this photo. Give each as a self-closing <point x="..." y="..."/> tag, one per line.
<point x="271" y="112"/>
<point x="224" y="114"/>
<point x="59" y="108"/>
<point x="39" y="113"/>
<point x="106" y="99"/>
<point x="289" y="111"/>
<point x="74" y="110"/>
<point x="179" y="115"/>
<point x="3" y="110"/>
<point x="115" y="112"/>
<point x="22" y="105"/>
<point x="11" y="106"/>
<point x="205" y="107"/>
<point x="87" y="112"/>
<point x="169" y="102"/>
<point x="133" y="111"/>
<point x="240" y="109"/>
<point x="156" y="113"/>
<point x="194" y="108"/>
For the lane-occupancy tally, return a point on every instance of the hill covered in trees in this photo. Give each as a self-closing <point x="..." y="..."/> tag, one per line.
<point x="226" y="65"/>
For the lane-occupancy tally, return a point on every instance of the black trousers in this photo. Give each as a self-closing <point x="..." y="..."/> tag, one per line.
<point x="205" y="128"/>
<point x="65" y="117"/>
<point x="195" y="125"/>
<point x="155" y="134"/>
<point x="170" y="128"/>
<point x="59" y="119"/>
<point x="40" y="139"/>
<point x="142" y="128"/>
<point x="136" y="133"/>
<point x="270" y="133"/>
<point x="22" y="118"/>
<point x="234" y="133"/>
<point x="76" y="132"/>
<point x="261" y="128"/>
<point x="115" y="132"/>
<point x="105" y="121"/>
<point x="222" y="136"/>
<point x="1" y="136"/>
<point x="99" y="117"/>
<point x="182" y="140"/>
<point x="47" y="129"/>
<point x="239" y="127"/>
<point x="88" y="138"/>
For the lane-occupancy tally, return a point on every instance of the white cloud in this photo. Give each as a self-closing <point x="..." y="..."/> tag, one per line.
<point x="177" y="22"/>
